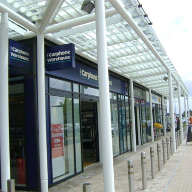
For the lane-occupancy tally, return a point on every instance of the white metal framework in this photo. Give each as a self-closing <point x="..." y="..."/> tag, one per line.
<point x="133" y="51"/>
<point x="129" y="54"/>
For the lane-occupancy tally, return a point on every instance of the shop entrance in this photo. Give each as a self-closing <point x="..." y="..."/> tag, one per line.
<point x="90" y="139"/>
<point x="137" y="125"/>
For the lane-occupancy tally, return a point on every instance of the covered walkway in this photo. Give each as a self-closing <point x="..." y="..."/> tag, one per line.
<point x="115" y="39"/>
<point x="175" y="175"/>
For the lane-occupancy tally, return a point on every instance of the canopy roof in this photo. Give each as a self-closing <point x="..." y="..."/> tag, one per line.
<point x="134" y="50"/>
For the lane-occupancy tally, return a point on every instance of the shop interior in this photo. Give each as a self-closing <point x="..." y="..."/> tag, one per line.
<point x="89" y="133"/>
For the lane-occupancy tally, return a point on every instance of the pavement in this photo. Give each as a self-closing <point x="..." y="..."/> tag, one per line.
<point x="175" y="176"/>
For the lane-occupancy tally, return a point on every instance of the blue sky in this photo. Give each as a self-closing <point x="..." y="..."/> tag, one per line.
<point x="172" y="23"/>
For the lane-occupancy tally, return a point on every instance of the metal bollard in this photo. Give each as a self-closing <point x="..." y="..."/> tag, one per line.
<point x="179" y="138"/>
<point x="152" y="162"/>
<point x="176" y="140"/>
<point x="144" y="172"/>
<point x="171" y="145"/>
<point x="11" y="185"/>
<point x="87" y="187"/>
<point x="130" y="175"/>
<point x="168" y="148"/>
<point x="159" y="156"/>
<point x="164" y="151"/>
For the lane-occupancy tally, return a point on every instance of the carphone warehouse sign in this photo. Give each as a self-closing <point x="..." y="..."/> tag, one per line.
<point x="19" y="55"/>
<point x="60" y="57"/>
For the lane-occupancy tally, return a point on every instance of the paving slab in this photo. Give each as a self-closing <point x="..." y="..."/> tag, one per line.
<point x="175" y="175"/>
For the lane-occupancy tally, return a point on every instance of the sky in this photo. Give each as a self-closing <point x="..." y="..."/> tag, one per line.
<point x="172" y="23"/>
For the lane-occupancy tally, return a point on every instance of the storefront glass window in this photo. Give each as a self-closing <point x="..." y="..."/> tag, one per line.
<point x="89" y="90"/>
<point x="123" y="132"/>
<point x="77" y="136"/>
<point x="17" y="139"/>
<point x="148" y="123"/>
<point x="16" y="88"/>
<point x="75" y="88"/>
<point x="114" y="129"/>
<point x="60" y="84"/>
<point x="62" y="137"/>
<point x="143" y="125"/>
<point x="128" y="125"/>
<point x="113" y="96"/>
<point x="137" y="92"/>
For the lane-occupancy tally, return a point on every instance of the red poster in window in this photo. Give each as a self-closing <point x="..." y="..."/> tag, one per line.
<point x="57" y="140"/>
<point x="21" y="170"/>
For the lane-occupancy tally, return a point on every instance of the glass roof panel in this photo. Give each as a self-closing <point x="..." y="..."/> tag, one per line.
<point x="126" y="50"/>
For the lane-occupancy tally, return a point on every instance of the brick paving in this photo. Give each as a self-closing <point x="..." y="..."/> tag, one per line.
<point x="175" y="175"/>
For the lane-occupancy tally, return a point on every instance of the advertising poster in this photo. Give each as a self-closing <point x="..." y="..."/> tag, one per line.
<point x="57" y="142"/>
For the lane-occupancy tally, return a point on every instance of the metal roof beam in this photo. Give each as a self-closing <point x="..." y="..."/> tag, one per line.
<point x="122" y="11"/>
<point x="48" y="14"/>
<point x="145" y="68"/>
<point x="148" y="75"/>
<point x="139" y="63"/>
<point x="19" y="19"/>
<point x="77" y="21"/>
<point x="163" y="86"/>
<point x="86" y="27"/>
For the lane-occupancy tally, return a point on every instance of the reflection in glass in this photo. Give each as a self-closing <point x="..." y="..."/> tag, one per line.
<point x="143" y="125"/>
<point x="62" y="137"/>
<point x="60" y="84"/>
<point x="113" y="96"/>
<point x="114" y="129"/>
<point x="77" y="136"/>
<point x="148" y="117"/>
<point x="75" y="88"/>
<point x="123" y="134"/>
<point x="128" y="128"/>
<point x="89" y="90"/>
<point x="17" y="139"/>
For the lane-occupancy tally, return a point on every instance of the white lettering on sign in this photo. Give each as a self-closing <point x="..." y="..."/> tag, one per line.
<point x="58" y="59"/>
<point x="58" y="56"/>
<point x="60" y="53"/>
<point x="90" y="76"/>
<point x="19" y="54"/>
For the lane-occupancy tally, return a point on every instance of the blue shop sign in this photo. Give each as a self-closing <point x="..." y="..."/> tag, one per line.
<point x="20" y="55"/>
<point x="89" y="76"/>
<point x="60" y="57"/>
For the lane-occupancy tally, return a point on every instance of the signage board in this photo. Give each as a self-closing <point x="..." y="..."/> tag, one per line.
<point x="87" y="75"/>
<point x="60" y="57"/>
<point x="156" y="99"/>
<point x="20" y="55"/>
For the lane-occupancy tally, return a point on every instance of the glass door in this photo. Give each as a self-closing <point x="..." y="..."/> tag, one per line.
<point x="128" y="127"/>
<point x="143" y="125"/>
<point x="148" y="118"/>
<point x="122" y="126"/>
<point x="114" y="129"/>
<point x="17" y="139"/>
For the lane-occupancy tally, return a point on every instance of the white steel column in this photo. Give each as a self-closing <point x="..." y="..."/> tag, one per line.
<point x="151" y="115"/>
<point x="138" y="126"/>
<point x="185" y="103"/>
<point x="163" y="113"/>
<point x="104" y="99"/>
<point x="4" y="103"/>
<point x="42" y="113"/>
<point x="99" y="130"/>
<point x="188" y="108"/>
<point x="180" y="112"/>
<point x="133" y="117"/>
<point x="171" y="110"/>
